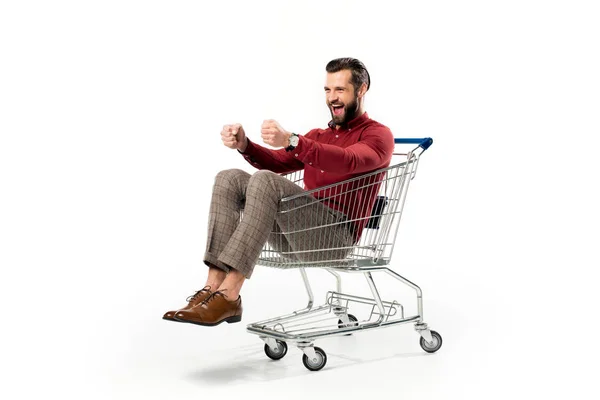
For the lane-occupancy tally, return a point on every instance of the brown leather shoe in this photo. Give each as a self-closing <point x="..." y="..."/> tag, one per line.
<point x="212" y="311"/>
<point x="192" y="300"/>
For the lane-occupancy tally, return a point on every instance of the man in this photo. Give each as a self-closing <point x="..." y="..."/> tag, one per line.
<point x="352" y="145"/>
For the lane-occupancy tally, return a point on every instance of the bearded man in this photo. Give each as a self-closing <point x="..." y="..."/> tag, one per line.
<point x="244" y="207"/>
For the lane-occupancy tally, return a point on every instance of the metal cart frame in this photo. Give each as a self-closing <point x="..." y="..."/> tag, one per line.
<point x="371" y="253"/>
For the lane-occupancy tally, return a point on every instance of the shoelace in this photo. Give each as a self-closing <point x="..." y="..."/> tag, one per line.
<point x="212" y="296"/>
<point x="195" y="295"/>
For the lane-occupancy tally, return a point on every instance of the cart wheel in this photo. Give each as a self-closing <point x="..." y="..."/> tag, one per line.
<point x="435" y="345"/>
<point x="353" y="322"/>
<point x="318" y="363"/>
<point x="278" y="353"/>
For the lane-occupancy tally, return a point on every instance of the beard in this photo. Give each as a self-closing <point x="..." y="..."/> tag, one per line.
<point x="349" y="113"/>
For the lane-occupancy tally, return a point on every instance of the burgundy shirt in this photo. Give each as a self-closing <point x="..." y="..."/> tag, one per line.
<point x="333" y="155"/>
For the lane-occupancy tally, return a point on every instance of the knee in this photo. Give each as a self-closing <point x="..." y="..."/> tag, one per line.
<point x="262" y="178"/>
<point x="229" y="175"/>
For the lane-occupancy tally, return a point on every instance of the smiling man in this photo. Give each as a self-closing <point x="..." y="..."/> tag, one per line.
<point x="342" y="97"/>
<point x="351" y="145"/>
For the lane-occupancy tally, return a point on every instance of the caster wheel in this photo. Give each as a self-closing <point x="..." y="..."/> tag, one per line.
<point x="278" y="353"/>
<point x="317" y="363"/>
<point x="353" y="322"/>
<point x="433" y="346"/>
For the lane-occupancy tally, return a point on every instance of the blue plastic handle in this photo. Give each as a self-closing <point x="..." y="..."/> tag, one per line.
<point x="424" y="143"/>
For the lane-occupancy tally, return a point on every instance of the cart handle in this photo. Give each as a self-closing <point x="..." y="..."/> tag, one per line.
<point x="423" y="143"/>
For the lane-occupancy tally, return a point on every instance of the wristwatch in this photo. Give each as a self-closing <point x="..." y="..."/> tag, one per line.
<point x="294" y="139"/>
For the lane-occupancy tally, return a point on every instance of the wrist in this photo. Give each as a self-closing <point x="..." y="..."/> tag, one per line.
<point x="293" y="141"/>
<point x="243" y="146"/>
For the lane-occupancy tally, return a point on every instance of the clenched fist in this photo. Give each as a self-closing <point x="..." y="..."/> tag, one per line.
<point x="234" y="137"/>
<point x="274" y="135"/>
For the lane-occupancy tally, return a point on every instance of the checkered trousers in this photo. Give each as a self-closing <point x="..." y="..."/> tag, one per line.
<point x="245" y="213"/>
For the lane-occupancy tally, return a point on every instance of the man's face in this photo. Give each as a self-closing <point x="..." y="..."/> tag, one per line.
<point x="341" y="96"/>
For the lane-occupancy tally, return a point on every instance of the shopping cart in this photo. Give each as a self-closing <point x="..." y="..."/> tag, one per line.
<point x="318" y="244"/>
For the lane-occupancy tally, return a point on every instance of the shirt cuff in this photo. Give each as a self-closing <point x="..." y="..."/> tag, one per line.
<point x="249" y="153"/>
<point x="305" y="150"/>
<point x="248" y="149"/>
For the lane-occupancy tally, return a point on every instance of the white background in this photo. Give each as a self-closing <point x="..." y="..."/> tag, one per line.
<point x="110" y="115"/>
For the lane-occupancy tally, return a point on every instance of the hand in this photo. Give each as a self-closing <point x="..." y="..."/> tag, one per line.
<point x="234" y="137"/>
<point x="274" y="135"/>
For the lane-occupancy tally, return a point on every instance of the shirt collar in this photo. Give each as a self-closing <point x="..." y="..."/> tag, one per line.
<point x="354" y="123"/>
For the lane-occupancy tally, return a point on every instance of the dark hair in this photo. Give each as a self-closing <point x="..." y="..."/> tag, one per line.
<point x="360" y="74"/>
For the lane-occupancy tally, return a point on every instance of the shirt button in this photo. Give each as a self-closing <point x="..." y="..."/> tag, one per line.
<point x="309" y="163"/>
<point x="336" y="136"/>
<point x="322" y="171"/>
<point x="296" y="154"/>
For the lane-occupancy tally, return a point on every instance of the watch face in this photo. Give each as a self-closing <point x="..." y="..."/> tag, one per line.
<point x="294" y="140"/>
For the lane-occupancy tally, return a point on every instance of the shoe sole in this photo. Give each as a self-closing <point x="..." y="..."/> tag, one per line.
<point x="229" y="320"/>
<point x="173" y="319"/>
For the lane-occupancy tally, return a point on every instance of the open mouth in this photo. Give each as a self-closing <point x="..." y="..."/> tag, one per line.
<point x="337" y="109"/>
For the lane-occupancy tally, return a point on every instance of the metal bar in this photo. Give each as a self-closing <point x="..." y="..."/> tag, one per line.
<point x="284" y="318"/>
<point x="337" y="332"/>
<point x="338" y="281"/>
<point x="343" y="182"/>
<point x="376" y="297"/>
<point x="311" y="297"/>
<point x="412" y="285"/>
<point x="359" y="299"/>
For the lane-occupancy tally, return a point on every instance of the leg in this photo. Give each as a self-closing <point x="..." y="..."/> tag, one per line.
<point x="314" y="232"/>
<point x="232" y="284"/>
<point x="215" y="278"/>
<point x="263" y="194"/>
<point x="306" y="228"/>
<point x="227" y="202"/>
<point x="228" y="199"/>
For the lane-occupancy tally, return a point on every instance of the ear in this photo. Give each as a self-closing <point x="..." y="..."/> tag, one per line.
<point x="362" y="90"/>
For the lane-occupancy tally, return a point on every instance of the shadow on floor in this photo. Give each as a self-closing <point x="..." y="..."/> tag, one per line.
<point x="250" y="364"/>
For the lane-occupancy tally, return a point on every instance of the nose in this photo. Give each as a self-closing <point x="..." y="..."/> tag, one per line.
<point x="332" y="97"/>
